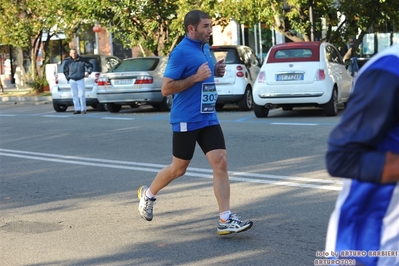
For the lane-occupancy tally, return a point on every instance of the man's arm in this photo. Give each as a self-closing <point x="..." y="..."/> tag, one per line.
<point x="372" y="111"/>
<point x="66" y="70"/>
<point x="171" y="86"/>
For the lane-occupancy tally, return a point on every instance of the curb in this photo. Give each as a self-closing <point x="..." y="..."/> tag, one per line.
<point x="27" y="99"/>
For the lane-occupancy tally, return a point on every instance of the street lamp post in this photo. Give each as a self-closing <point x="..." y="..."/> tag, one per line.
<point x="96" y="29"/>
<point x="311" y="20"/>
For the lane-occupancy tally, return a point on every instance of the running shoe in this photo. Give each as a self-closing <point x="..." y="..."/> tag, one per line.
<point x="233" y="225"/>
<point x="146" y="204"/>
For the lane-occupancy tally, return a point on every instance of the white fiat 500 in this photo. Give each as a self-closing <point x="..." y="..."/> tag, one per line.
<point x="300" y="74"/>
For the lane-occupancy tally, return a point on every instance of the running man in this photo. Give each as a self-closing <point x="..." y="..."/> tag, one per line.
<point x="189" y="76"/>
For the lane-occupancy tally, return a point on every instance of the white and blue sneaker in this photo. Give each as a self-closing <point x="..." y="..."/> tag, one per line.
<point x="146" y="204"/>
<point x="233" y="225"/>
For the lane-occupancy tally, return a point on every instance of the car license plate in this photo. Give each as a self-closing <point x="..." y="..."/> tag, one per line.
<point x="289" y="77"/>
<point x="123" y="81"/>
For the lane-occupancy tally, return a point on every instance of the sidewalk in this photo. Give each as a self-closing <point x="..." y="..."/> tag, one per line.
<point x="16" y="96"/>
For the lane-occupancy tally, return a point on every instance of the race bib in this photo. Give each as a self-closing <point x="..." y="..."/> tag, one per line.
<point x="209" y="97"/>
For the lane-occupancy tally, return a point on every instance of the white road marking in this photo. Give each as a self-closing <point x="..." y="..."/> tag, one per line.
<point x="294" y="124"/>
<point x="194" y="172"/>
<point x="117" y="118"/>
<point x="58" y="116"/>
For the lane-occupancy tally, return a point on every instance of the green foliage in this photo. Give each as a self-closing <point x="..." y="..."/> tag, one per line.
<point x="364" y="15"/>
<point x="156" y="25"/>
<point x="38" y="84"/>
<point x="142" y="23"/>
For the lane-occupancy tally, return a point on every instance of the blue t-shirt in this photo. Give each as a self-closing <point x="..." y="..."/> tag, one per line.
<point x="194" y="107"/>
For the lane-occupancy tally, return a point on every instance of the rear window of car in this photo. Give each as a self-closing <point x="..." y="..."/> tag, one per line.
<point x="142" y="64"/>
<point x="293" y="53"/>
<point x="230" y="56"/>
<point x="301" y="54"/>
<point x="93" y="61"/>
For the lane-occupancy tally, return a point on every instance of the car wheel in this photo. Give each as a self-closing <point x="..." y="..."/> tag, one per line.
<point x="114" y="108"/>
<point x="331" y="108"/>
<point x="246" y="103"/>
<point x="101" y="107"/>
<point x="60" y="107"/>
<point x="261" y="111"/>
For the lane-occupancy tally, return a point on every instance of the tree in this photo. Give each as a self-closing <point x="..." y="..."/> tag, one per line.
<point x="357" y="17"/>
<point x="292" y="18"/>
<point x="24" y="22"/>
<point x="287" y="17"/>
<point x="141" y="23"/>
<point x="153" y="25"/>
<point x="157" y="25"/>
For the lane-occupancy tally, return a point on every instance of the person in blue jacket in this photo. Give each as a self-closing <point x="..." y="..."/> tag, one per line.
<point x="76" y="69"/>
<point x="189" y="76"/>
<point x="364" y="149"/>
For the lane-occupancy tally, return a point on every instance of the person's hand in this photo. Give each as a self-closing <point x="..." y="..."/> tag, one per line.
<point x="220" y="68"/>
<point x="204" y="72"/>
<point x="86" y="74"/>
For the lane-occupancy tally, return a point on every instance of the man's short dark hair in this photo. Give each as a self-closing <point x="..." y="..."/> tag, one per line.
<point x="194" y="18"/>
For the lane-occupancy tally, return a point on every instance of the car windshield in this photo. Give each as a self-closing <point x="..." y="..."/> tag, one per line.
<point x="230" y="56"/>
<point x="141" y="64"/>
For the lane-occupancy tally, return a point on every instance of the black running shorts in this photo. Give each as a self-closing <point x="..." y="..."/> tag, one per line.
<point x="208" y="138"/>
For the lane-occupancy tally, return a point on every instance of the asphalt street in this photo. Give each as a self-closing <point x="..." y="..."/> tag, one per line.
<point x="68" y="189"/>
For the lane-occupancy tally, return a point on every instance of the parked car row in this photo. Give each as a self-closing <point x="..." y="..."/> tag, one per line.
<point x="292" y="75"/>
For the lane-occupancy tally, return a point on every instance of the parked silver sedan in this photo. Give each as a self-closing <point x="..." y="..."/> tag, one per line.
<point x="134" y="82"/>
